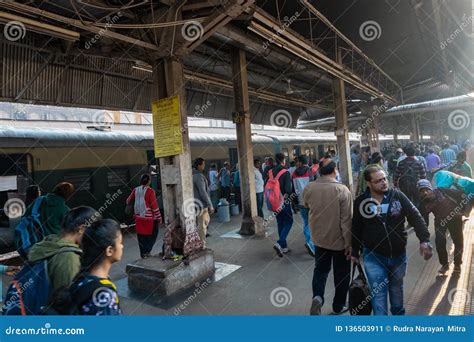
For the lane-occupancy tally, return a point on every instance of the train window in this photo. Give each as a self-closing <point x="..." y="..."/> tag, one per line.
<point x="82" y="180"/>
<point x="117" y="178"/>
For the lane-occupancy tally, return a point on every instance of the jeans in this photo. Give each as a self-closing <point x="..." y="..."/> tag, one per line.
<point x="284" y="221"/>
<point x="342" y="275"/>
<point x="455" y="230"/>
<point x="215" y="196"/>
<point x="385" y="276"/>
<point x="260" y="204"/>
<point x="307" y="233"/>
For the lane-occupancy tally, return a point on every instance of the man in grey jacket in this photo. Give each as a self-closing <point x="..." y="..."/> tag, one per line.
<point x="202" y="198"/>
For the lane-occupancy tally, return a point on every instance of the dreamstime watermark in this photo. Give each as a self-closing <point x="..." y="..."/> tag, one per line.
<point x="22" y="287"/>
<point x="200" y="287"/>
<point x="377" y="111"/>
<point x="191" y="207"/>
<point x="103" y="297"/>
<point x="370" y="30"/>
<point x="14" y="208"/>
<point x="280" y="297"/>
<point x="288" y="200"/>
<point x="199" y="110"/>
<point x="466" y="21"/>
<point x="459" y="119"/>
<point x="458" y="209"/>
<point x="192" y="30"/>
<point x="14" y="30"/>
<point x="281" y="118"/>
<point x="368" y="299"/>
<point x="111" y="198"/>
<point x="369" y="208"/>
<point x="102" y="31"/>
<point x="46" y="330"/>
<point x="459" y="295"/>
<point x="103" y="119"/>
<point x="287" y="22"/>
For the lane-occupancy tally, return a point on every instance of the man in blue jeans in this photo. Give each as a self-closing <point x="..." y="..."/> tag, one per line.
<point x="301" y="178"/>
<point x="285" y="216"/>
<point x="378" y="229"/>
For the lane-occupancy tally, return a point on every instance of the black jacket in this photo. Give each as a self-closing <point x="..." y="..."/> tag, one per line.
<point x="387" y="239"/>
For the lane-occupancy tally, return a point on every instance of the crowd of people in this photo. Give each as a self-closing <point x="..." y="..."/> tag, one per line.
<point x="77" y="246"/>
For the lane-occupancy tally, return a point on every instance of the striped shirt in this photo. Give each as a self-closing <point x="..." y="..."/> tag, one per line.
<point x="447" y="156"/>
<point x="403" y="166"/>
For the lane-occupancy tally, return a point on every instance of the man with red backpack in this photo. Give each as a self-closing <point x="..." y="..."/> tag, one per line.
<point x="277" y="195"/>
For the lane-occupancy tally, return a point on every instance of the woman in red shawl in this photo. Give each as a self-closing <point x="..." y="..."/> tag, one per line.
<point x="147" y="215"/>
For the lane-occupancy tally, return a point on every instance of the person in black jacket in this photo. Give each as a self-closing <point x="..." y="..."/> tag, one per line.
<point x="378" y="230"/>
<point x="285" y="216"/>
<point x="448" y="206"/>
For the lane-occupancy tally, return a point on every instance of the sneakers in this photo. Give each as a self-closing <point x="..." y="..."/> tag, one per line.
<point x="443" y="269"/>
<point x="316" y="305"/>
<point x="310" y="249"/>
<point x="340" y="312"/>
<point x="278" y="250"/>
<point x="457" y="269"/>
<point x="285" y="250"/>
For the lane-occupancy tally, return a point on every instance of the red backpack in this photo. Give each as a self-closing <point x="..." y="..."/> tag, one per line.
<point x="273" y="195"/>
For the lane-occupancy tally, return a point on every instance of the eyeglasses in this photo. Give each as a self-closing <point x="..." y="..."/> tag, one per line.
<point x="378" y="181"/>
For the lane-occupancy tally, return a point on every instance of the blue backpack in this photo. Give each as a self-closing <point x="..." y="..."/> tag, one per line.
<point x="29" y="292"/>
<point x="30" y="229"/>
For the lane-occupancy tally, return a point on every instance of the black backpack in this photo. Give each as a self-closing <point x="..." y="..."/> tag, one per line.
<point x="360" y="303"/>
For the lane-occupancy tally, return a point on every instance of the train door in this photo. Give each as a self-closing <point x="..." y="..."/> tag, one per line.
<point x="233" y="156"/>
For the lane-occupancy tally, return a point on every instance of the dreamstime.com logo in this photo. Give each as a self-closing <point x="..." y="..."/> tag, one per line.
<point x="459" y="296"/>
<point x="103" y="297"/>
<point x="46" y="330"/>
<point x="281" y="118"/>
<point x="459" y="119"/>
<point x="369" y="208"/>
<point x="191" y="206"/>
<point x="192" y="31"/>
<point x="370" y="30"/>
<point x="14" y="30"/>
<point x="280" y="297"/>
<point x="14" y="208"/>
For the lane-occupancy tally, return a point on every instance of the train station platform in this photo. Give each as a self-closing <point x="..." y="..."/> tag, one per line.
<point x="251" y="280"/>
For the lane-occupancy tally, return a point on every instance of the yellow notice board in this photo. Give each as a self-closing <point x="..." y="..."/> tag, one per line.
<point x="167" y="127"/>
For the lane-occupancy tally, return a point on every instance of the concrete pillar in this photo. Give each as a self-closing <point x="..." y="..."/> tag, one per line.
<point x="251" y="223"/>
<point x="342" y="130"/>
<point x="176" y="171"/>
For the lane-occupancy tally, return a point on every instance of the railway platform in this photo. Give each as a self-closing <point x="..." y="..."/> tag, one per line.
<point x="251" y="280"/>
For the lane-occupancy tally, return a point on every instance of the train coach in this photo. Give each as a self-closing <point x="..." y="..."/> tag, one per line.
<point x="104" y="165"/>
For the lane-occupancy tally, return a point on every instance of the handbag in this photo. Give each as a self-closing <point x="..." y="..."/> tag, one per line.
<point x="129" y="208"/>
<point x="360" y="298"/>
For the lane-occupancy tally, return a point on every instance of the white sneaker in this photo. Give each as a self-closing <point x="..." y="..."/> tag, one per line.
<point x="278" y="250"/>
<point x="285" y="250"/>
<point x="316" y="306"/>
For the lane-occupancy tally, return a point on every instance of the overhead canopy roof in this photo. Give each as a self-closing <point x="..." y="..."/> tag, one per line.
<point x="97" y="53"/>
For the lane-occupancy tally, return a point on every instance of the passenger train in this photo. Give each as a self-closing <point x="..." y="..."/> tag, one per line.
<point x="105" y="164"/>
